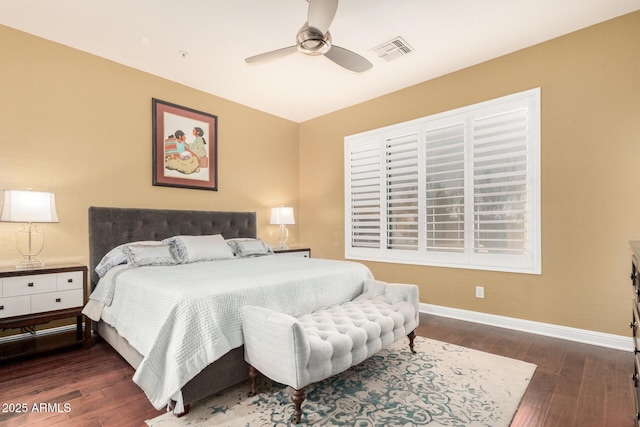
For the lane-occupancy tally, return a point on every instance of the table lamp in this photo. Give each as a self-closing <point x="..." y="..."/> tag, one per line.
<point x="29" y="207"/>
<point x="282" y="216"/>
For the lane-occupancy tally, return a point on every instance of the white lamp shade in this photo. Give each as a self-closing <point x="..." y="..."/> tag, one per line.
<point x="282" y="215"/>
<point x="28" y="206"/>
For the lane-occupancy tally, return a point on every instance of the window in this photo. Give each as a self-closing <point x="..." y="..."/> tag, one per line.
<point x="457" y="189"/>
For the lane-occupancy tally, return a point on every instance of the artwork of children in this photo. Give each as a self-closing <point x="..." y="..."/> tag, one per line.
<point x="186" y="152"/>
<point x="185" y="155"/>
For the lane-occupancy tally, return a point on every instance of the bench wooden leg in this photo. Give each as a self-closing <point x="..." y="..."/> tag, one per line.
<point x="253" y="376"/>
<point x="297" y="397"/>
<point x="412" y="336"/>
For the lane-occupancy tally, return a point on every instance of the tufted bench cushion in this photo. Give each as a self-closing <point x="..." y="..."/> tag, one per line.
<point x="311" y="347"/>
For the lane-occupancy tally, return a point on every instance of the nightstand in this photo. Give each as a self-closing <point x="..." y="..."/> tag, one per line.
<point x="38" y="296"/>
<point x="298" y="252"/>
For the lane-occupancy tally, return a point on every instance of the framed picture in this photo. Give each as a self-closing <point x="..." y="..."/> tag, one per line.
<point x="185" y="143"/>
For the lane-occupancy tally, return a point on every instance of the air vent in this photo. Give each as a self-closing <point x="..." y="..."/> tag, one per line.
<point x="393" y="49"/>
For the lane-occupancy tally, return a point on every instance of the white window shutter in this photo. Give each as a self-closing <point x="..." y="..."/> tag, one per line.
<point x="445" y="185"/>
<point x="500" y="180"/>
<point x="364" y="194"/>
<point x="456" y="189"/>
<point x="401" y="174"/>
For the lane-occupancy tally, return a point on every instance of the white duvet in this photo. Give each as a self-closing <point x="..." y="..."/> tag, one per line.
<point x="182" y="318"/>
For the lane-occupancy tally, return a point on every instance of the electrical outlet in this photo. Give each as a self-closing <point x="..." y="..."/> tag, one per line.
<point x="479" y="291"/>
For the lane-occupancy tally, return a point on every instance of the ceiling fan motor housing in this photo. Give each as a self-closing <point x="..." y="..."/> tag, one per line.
<point x="311" y="41"/>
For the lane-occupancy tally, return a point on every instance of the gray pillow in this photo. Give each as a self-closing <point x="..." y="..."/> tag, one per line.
<point x="116" y="256"/>
<point x="245" y="248"/>
<point x="144" y="255"/>
<point x="187" y="249"/>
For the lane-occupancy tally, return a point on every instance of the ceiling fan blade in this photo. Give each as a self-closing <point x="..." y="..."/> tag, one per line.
<point x="321" y="14"/>
<point x="274" y="54"/>
<point x="347" y="59"/>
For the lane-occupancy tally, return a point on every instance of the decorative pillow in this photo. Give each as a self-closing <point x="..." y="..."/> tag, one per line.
<point x="186" y="249"/>
<point x="141" y="255"/>
<point x="116" y="256"/>
<point x="245" y="248"/>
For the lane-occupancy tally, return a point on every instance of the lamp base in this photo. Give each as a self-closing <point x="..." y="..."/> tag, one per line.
<point x="29" y="242"/>
<point x="283" y="235"/>
<point x="28" y="264"/>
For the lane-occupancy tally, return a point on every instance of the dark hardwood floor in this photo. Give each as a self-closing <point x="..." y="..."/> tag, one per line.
<point x="574" y="384"/>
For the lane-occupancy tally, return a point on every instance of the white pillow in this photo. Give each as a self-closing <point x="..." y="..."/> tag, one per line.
<point x="245" y="248"/>
<point x="142" y="255"/>
<point x="186" y="249"/>
<point x="116" y="256"/>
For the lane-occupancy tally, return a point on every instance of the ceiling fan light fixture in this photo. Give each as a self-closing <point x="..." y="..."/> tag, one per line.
<point x="312" y="42"/>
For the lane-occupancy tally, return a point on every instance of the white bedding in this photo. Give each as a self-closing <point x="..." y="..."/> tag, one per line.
<point x="182" y="318"/>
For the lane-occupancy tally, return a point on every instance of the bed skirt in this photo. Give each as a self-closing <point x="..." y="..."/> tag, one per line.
<point x="229" y="370"/>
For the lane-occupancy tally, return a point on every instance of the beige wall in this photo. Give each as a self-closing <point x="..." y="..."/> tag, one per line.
<point x="590" y="86"/>
<point x="80" y="126"/>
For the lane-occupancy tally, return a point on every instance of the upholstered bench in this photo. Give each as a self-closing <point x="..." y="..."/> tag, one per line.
<point x="311" y="347"/>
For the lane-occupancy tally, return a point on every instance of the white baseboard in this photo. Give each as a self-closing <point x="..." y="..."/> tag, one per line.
<point x="617" y="342"/>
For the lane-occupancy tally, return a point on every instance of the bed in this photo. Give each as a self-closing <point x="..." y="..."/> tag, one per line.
<point x="215" y="288"/>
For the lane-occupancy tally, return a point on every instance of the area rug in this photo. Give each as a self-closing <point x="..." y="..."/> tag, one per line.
<point x="442" y="385"/>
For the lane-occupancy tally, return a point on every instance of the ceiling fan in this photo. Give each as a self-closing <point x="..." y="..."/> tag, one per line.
<point x="314" y="39"/>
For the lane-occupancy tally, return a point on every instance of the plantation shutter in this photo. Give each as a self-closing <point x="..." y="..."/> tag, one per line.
<point x="364" y="191"/>
<point x="500" y="181"/>
<point x="401" y="167"/>
<point x="459" y="188"/>
<point x="445" y="186"/>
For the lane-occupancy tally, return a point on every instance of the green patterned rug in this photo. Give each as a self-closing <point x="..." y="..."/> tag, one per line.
<point x="442" y="385"/>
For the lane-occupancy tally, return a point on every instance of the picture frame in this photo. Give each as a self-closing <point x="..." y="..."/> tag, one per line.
<point x="185" y="147"/>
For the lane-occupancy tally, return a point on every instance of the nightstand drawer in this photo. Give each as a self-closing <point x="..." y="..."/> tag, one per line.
<point x="72" y="280"/>
<point x="56" y="300"/>
<point x="635" y="324"/>
<point x="300" y="253"/>
<point x="15" y="306"/>
<point x="28" y="285"/>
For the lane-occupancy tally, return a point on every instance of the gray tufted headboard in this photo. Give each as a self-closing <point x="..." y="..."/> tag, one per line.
<point x="110" y="227"/>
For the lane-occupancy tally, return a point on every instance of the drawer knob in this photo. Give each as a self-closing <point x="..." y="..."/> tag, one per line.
<point x="69" y="280"/>
<point x="633" y="276"/>
<point x="58" y="299"/>
<point x="634" y="377"/>
<point x="30" y="284"/>
<point x="1" y="307"/>
<point x="633" y="325"/>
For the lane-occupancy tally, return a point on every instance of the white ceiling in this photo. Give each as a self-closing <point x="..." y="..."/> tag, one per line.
<point x="447" y="35"/>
